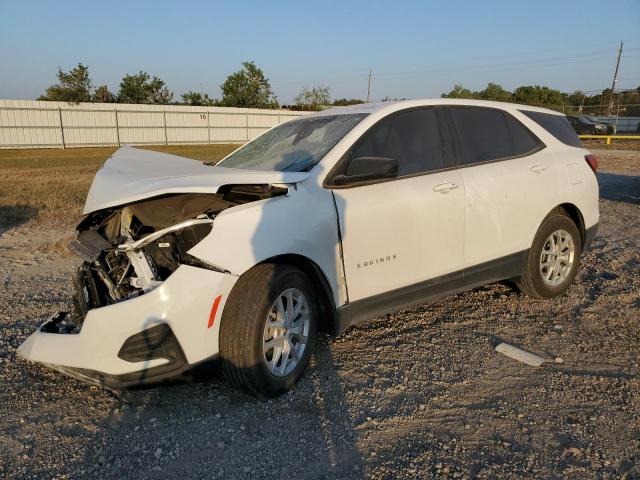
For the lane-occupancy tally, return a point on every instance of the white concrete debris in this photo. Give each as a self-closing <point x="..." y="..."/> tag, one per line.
<point x="520" y="355"/>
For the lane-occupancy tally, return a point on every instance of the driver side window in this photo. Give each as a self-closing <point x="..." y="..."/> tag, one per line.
<point x="411" y="138"/>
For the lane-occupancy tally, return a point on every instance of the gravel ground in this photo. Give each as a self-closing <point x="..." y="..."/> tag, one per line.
<point x="418" y="394"/>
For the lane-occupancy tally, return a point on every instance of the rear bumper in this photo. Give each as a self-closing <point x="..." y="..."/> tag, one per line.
<point x="590" y="234"/>
<point x="143" y="339"/>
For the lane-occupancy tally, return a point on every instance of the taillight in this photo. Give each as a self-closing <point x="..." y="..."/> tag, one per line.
<point x="592" y="161"/>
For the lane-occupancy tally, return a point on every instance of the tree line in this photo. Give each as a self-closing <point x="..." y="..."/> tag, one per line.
<point x="626" y="103"/>
<point x="250" y="88"/>
<point x="246" y="88"/>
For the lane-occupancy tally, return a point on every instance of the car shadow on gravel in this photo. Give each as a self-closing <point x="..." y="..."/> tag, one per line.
<point x="619" y="188"/>
<point x="14" y="215"/>
<point x="198" y="426"/>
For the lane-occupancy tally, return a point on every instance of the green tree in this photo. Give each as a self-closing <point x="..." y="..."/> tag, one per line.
<point x="539" y="96"/>
<point x="103" y="95"/>
<point x="628" y="102"/>
<point x="73" y="86"/>
<point x="495" y="92"/>
<point x="342" y="102"/>
<point x="248" y="88"/>
<point x="458" y="91"/>
<point x="313" y="98"/>
<point x="575" y="100"/>
<point x="197" y="99"/>
<point x="143" y="88"/>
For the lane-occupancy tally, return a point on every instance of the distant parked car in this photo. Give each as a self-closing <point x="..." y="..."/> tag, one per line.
<point x="609" y="123"/>
<point x="583" y="126"/>
<point x="319" y="223"/>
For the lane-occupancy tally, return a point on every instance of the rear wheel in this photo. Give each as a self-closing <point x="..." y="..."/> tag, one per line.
<point x="268" y="329"/>
<point x="554" y="258"/>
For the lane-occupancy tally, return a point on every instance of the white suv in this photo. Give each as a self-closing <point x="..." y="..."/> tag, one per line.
<point x="317" y="224"/>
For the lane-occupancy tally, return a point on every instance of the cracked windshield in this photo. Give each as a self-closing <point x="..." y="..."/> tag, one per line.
<point x="295" y="146"/>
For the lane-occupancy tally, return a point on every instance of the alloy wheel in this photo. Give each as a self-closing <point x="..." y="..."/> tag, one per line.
<point x="557" y="258"/>
<point x="286" y="332"/>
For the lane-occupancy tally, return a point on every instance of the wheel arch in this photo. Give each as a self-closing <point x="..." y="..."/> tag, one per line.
<point x="326" y="322"/>
<point x="574" y="213"/>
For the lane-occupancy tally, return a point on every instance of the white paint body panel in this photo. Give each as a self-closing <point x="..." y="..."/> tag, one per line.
<point x="401" y="232"/>
<point x="302" y="223"/>
<point x="579" y="186"/>
<point x="505" y="204"/>
<point x="183" y="302"/>
<point x="494" y="212"/>
<point x="133" y="174"/>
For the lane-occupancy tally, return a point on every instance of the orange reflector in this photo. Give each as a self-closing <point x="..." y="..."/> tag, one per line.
<point x="214" y="310"/>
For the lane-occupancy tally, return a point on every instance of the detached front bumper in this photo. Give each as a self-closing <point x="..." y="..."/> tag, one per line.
<point x="144" y="339"/>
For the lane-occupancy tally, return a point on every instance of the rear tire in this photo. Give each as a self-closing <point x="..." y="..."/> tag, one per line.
<point x="553" y="259"/>
<point x="268" y="329"/>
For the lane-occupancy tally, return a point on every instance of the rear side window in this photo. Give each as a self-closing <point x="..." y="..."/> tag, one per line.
<point x="556" y="125"/>
<point x="523" y="140"/>
<point x="412" y="138"/>
<point x="488" y="134"/>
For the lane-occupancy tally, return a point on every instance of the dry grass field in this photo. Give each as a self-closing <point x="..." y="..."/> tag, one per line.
<point x="50" y="185"/>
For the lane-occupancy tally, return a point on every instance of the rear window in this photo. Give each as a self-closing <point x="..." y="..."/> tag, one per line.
<point x="556" y="125"/>
<point x="489" y="134"/>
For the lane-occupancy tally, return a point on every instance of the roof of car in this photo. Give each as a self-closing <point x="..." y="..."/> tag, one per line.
<point x="399" y="105"/>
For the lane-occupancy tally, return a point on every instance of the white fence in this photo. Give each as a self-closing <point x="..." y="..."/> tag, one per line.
<point x="36" y="124"/>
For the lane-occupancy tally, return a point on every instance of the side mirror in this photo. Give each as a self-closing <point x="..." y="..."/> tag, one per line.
<point x="365" y="169"/>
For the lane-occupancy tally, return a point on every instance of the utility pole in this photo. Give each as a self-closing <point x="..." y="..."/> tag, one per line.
<point x="615" y="80"/>
<point x="369" y="87"/>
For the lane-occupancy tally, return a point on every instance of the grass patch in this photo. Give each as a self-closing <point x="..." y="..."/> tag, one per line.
<point x="50" y="185"/>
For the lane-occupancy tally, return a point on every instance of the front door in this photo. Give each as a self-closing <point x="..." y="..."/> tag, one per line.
<point x="400" y="232"/>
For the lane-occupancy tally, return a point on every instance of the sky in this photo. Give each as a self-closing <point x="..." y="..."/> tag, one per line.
<point x="415" y="49"/>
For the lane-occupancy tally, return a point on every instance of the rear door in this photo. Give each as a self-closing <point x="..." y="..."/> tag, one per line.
<point x="510" y="183"/>
<point x="400" y="232"/>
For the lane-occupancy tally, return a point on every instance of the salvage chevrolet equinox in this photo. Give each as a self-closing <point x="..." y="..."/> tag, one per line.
<point x="319" y="223"/>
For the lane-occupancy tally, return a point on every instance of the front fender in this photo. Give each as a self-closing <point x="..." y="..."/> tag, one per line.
<point x="304" y="222"/>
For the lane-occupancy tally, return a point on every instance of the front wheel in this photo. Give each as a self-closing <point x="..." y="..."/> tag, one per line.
<point x="553" y="259"/>
<point x="268" y="329"/>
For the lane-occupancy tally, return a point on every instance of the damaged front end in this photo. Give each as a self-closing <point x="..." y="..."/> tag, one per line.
<point x="142" y="303"/>
<point x="129" y="251"/>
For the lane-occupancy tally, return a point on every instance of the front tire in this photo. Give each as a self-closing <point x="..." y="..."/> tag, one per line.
<point x="268" y="329"/>
<point x="554" y="258"/>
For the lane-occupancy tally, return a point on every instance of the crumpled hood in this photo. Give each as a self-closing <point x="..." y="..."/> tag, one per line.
<point x="133" y="174"/>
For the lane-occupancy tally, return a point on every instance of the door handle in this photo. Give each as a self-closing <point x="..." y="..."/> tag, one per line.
<point x="538" y="168"/>
<point x="445" y="187"/>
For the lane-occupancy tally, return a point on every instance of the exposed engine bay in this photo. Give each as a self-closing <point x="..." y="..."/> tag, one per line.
<point x="131" y="249"/>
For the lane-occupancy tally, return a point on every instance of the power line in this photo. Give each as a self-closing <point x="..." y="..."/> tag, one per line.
<point x="587" y="56"/>
<point x="517" y="65"/>
<point x="492" y="68"/>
